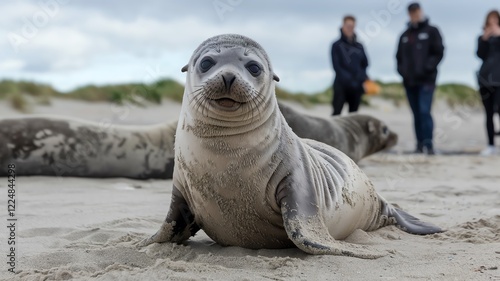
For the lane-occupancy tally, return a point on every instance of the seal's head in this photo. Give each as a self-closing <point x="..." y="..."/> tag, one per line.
<point x="381" y="137"/>
<point x="372" y="132"/>
<point x="230" y="78"/>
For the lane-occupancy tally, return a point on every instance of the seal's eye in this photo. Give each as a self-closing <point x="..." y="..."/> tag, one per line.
<point x="385" y="130"/>
<point x="253" y="68"/>
<point x="206" y="64"/>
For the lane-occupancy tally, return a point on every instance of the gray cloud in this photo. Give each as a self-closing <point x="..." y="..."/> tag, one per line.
<point x="83" y="36"/>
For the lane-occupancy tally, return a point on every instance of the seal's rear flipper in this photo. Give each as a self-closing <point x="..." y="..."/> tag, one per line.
<point x="411" y="224"/>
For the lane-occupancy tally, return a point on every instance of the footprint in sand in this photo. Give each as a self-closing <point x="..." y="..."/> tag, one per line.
<point x="477" y="232"/>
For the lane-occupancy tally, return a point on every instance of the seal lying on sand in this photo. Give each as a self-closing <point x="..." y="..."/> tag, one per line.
<point x="357" y="135"/>
<point x="247" y="180"/>
<point x="54" y="146"/>
<point x="60" y="146"/>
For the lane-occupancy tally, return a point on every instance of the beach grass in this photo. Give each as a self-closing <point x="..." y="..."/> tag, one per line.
<point x="22" y="94"/>
<point x="19" y="102"/>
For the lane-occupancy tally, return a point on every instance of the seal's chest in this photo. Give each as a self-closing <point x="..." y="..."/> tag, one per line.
<point x="229" y="208"/>
<point x="225" y="189"/>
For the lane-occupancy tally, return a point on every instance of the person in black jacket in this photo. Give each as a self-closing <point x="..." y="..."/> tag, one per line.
<point x="349" y="63"/>
<point x="488" y="49"/>
<point x="420" y="51"/>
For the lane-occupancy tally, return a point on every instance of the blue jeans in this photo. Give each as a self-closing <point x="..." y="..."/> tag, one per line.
<point x="420" y="99"/>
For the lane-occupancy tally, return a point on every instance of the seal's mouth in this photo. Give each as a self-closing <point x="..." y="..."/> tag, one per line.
<point x="226" y="104"/>
<point x="392" y="141"/>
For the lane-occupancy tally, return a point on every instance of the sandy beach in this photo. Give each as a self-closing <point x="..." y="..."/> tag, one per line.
<point x="81" y="229"/>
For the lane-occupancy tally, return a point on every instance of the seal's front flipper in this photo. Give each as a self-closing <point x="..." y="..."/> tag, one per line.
<point x="411" y="224"/>
<point x="179" y="224"/>
<point x="305" y="227"/>
<point x="310" y="235"/>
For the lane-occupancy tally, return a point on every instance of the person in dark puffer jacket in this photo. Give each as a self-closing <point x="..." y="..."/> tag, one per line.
<point x="488" y="49"/>
<point x="349" y="63"/>
<point x="420" y="51"/>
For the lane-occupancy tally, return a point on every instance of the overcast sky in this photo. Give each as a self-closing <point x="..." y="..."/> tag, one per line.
<point x="70" y="43"/>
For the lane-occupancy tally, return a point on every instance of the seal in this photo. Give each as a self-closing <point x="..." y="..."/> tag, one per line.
<point x="56" y="146"/>
<point x="244" y="177"/>
<point x="52" y="146"/>
<point x="357" y="135"/>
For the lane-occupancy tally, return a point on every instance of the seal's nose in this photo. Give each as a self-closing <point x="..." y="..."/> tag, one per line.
<point x="228" y="79"/>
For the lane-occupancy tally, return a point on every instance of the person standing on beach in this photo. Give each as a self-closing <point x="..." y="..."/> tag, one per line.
<point x="420" y="50"/>
<point x="488" y="49"/>
<point x="349" y="63"/>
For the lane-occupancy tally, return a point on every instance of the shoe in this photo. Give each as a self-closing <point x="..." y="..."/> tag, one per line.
<point x="497" y="133"/>
<point x="430" y="151"/>
<point x="419" y="149"/>
<point x="489" y="151"/>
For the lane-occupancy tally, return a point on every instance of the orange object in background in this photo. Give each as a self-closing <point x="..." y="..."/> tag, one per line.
<point x="371" y="88"/>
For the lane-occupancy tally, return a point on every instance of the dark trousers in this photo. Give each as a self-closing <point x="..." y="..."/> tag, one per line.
<point x="491" y="101"/>
<point x="420" y="100"/>
<point x="341" y="95"/>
